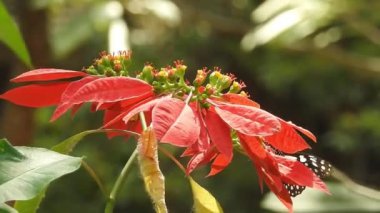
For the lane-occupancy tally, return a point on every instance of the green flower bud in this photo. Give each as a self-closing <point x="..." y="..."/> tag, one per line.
<point x="147" y="73"/>
<point x="215" y="77"/>
<point x="200" y="78"/>
<point x="91" y="70"/>
<point x="162" y="75"/>
<point x="235" y="87"/>
<point x="172" y="74"/>
<point x="180" y="69"/>
<point x="210" y="89"/>
<point x="109" y="72"/>
<point x="225" y="82"/>
<point x="117" y="66"/>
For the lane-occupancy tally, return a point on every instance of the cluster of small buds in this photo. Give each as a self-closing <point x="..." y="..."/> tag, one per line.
<point x="111" y="64"/>
<point x="170" y="79"/>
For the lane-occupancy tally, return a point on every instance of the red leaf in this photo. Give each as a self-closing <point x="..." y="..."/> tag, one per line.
<point x="304" y="131"/>
<point x="141" y="108"/>
<point x="274" y="182"/>
<point x="190" y="150"/>
<point x="132" y="102"/>
<point x="109" y="115"/>
<point x="174" y="122"/>
<point x="110" y="89"/>
<point x="75" y="109"/>
<point x="68" y="93"/>
<point x="47" y="75"/>
<point x="295" y="172"/>
<point x="219" y="164"/>
<point x="266" y="168"/>
<point x="260" y="157"/>
<point x="36" y="95"/>
<point x="113" y="120"/>
<point x="199" y="159"/>
<point x="282" y="194"/>
<point x="287" y="140"/>
<point x="219" y="133"/>
<point x="203" y="142"/>
<point x="253" y="147"/>
<point x="239" y="99"/>
<point x="246" y="119"/>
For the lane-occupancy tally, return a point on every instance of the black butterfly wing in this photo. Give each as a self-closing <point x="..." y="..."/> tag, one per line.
<point x="294" y="189"/>
<point x="317" y="165"/>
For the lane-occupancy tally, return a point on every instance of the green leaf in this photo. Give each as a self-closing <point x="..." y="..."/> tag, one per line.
<point x="8" y="152"/>
<point x="67" y="146"/>
<point x="30" y="206"/>
<point x="4" y="208"/>
<point x="204" y="202"/>
<point x="11" y="36"/>
<point x="64" y="147"/>
<point x="26" y="171"/>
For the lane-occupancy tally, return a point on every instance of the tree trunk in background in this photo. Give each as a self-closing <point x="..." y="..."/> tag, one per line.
<point x="17" y="123"/>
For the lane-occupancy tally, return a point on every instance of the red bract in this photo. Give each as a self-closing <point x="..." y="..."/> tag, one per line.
<point x="174" y="122"/>
<point x="219" y="132"/>
<point x="104" y="90"/>
<point x="172" y="119"/>
<point x="36" y="95"/>
<point x="246" y="119"/>
<point x="199" y="117"/>
<point x="295" y="172"/>
<point x="220" y="162"/>
<point x="42" y="94"/>
<point x="239" y="99"/>
<point x="47" y="75"/>
<point x="278" y="170"/>
<point x="287" y="140"/>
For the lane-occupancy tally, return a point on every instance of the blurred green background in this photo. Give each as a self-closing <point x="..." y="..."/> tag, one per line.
<point x="314" y="62"/>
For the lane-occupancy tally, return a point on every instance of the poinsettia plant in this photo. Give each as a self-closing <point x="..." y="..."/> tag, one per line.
<point x="211" y="118"/>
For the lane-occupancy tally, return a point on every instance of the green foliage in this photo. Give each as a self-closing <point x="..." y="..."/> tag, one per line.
<point x="32" y="205"/>
<point x="4" y="208"/>
<point x="65" y="147"/>
<point x="26" y="171"/>
<point x="334" y="96"/>
<point x="11" y="36"/>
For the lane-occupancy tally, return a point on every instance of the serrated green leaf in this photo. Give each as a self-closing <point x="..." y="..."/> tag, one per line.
<point x="4" y="208"/>
<point x="24" y="179"/>
<point x="11" y="36"/>
<point x="204" y="202"/>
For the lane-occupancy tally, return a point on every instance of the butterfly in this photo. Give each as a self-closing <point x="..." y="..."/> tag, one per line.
<point x="317" y="165"/>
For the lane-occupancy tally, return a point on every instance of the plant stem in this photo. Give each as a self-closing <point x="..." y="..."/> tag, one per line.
<point x="142" y="120"/>
<point x="169" y="155"/>
<point x="123" y="175"/>
<point x="94" y="176"/>
<point x="119" y="183"/>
